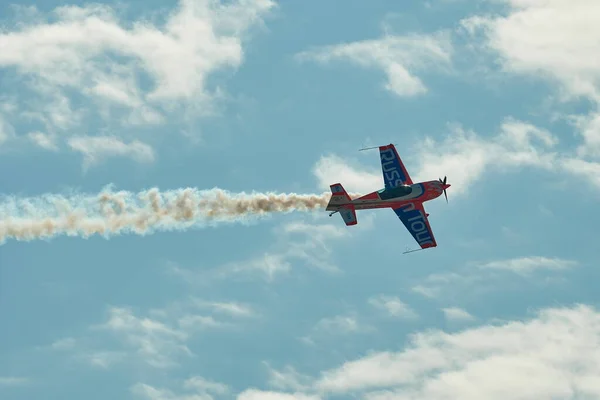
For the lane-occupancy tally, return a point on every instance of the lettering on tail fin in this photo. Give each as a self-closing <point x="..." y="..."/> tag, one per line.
<point x="390" y="169"/>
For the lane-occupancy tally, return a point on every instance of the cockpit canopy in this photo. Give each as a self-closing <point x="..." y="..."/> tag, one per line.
<point x="398" y="191"/>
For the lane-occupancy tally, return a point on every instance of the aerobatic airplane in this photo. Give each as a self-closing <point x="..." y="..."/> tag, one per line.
<point x="400" y="194"/>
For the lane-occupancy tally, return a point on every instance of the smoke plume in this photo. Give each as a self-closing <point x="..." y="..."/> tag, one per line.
<point x="114" y="213"/>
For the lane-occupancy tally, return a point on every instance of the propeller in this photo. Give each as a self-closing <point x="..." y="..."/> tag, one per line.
<point x="443" y="182"/>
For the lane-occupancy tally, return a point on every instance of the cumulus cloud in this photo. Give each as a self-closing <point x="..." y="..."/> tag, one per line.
<point x="462" y="155"/>
<point x="552" y="355"/>
<point x="555" y="40"/>
<point x="83" y="62"/>
<point x="332" y="169"/>
<point x="587" y="170"/>
<point x="397" y="56"/>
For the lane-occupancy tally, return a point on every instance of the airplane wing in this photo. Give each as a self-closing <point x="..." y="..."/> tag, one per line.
<point x="414" y="218"/>
<point x="394" y="171"/>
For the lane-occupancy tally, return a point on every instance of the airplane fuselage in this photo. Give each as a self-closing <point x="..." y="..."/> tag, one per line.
<point x="397" y="196"/>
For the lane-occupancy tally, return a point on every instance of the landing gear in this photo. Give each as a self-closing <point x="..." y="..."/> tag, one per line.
<point x="331" y="213"/>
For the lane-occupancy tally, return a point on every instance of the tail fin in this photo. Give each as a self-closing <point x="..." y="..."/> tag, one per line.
<point x="340" y="201"/>
<point x="339" y="197"/>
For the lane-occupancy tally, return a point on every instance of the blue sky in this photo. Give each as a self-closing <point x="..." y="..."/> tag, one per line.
<point x="501" y="96"/>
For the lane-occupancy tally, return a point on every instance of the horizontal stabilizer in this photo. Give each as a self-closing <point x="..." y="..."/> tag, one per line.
<point x="348" y="213"/>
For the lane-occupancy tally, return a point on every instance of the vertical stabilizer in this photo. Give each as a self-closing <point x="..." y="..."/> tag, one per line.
<point x="341" y="202"/>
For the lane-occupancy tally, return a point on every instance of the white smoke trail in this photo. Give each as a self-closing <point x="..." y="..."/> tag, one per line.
<point x="113" y="213"/>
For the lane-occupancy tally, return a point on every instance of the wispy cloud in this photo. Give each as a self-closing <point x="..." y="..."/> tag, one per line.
<point x="526" y="265"/>
<point x="96" y="148"/>
<point x="195" y="387"/>
<point x="393" y="306"/>
<point x="457" y="314"/>
<point x="154" y="341"/>
<point x="43" y="140"/>
<point x="288" y="379"/>
<point x="335" y="326"/>
<point x="233" y="309"/>
<point x="255" y="394"/>
<point x="484" y="276"/>
<point x="398" y="56"/>
<point x="296" y="242"/>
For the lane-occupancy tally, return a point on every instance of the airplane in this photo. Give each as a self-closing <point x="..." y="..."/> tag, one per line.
<point x="400" y="194"/>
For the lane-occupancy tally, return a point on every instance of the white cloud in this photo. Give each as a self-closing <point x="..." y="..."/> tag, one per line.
<point x="355" y="179"/>
<point x="462" y="156"/>
<point x="203" y="385"/>
<point x="96" y="148"/>
<point x="232" y="308"/>
<point x="477" y="278"/>
<point x="84" y="62"/>
<point x="288" y="379"/>
<point x="64" y="344"/>
<point x="197" y="38"/>
<point x="254" y="394"/>
<point x="457" y="314"/>
<point x="393" y="306"/>
<point x="295" y="241"/>
<point x="526" y="265"/>
<point x="194" y="388"/>
<point x="154" y="341"/>
<point x="158" y="341"/>
<point x="587" y="170"/>
<point x="336" y="326"/>
<point x="556" y="40"/>
<point x="552" y="355"/>
<point x="43" y="140"/>
<point x="269" y="265"/>
<point x="102" y="359"/>
<point x="397" y="56"/>
<point x="340" y="324"/>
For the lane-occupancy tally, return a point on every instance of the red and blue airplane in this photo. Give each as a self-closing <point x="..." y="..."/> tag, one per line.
<point x="400" y="194"/>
